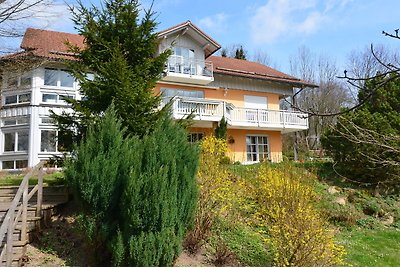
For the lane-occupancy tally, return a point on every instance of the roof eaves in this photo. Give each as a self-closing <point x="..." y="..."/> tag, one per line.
<point x="295" y="82"/>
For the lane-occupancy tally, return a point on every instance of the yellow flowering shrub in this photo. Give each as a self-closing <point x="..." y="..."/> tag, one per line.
<point x="298" y="233"/>
<point x="215" y="190"/>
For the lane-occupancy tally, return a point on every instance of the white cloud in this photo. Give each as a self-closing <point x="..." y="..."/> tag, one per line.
<point x="214" y="23"/>
<point x="289" y="18"/>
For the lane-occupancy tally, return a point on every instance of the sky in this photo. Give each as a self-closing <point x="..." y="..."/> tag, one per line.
<point x="332" y="28"/>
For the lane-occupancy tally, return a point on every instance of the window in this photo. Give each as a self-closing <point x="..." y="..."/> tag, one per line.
<point x="48" y="141"/>
<point x="49" y="98"/>
<point x="55" y="98"/>
<point x="24" y="80"/>
<point x="23" y="141"/>
<point x="9" y="142"/>
<point x="12" y="99"/>
<point x="184" y="52"/>
<point x="56" y="77"/>
<point x="16" y="141"/>
<point x="24" y="98"/>
<point x="12" y="82"/>
<point x="66" y="79"/>
<point x="17" y="164"/>
<point x="47" y="120"/>
<point x="8" y="165"/>
<point x="183" y="93"/>
<point x="15" y="120"/>
<point x="17" y="99"/>
<point x="195" y="137"/>
<point x="257" y="148"/>
<point x="50" y="77"/>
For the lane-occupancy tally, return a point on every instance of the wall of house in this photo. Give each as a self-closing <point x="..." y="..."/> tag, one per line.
<point x="37" y="112"/>
<point x="234" y="96"/>
<point x="237" y="142"/>
<point x="179" y="40"/>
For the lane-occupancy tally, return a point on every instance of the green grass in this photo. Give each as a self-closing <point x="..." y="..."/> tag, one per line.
<point x="246" y="244"/>
<point x="56" y="178"/>
<point x="373" y="248"/>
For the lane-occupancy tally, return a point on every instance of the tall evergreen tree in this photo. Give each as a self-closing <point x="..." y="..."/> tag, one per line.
<point x="120" y="57"/>
<point x="240" y="53"/>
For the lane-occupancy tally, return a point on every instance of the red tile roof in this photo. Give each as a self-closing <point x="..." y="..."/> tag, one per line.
<point x="50" y="44"/>
<point x="249" y="69"/>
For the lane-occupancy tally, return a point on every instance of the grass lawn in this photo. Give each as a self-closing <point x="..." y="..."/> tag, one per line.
<point x="375" y="248"/>
<point x="56" y="178"/>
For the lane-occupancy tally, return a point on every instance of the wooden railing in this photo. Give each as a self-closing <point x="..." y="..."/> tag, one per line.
<point x="19" y="210"/>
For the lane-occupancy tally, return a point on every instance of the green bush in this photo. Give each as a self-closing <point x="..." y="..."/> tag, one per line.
<point x="137" y="195"/>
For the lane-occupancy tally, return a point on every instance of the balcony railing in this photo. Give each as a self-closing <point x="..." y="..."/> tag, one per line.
<point x="183" y="69"/>
<point x="214" y="110"/>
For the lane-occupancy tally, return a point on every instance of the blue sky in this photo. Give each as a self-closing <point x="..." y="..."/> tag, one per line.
<point x="332" y="28"/>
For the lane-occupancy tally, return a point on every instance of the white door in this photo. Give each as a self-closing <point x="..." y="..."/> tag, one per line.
<point x="254" y="104"/>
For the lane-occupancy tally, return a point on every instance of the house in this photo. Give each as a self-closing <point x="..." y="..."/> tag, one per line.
<point x="245" y="93"/>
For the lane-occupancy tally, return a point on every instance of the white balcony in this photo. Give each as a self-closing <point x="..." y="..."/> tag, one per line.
<point x="206" y="111"/>
<point x="188" y="70"/>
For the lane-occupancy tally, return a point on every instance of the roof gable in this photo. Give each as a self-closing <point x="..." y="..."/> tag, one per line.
<point x="209" y="45"/>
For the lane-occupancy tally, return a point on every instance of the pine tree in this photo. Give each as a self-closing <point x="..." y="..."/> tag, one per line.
<point x="240" y="53"/>
<point x="221" y="130"/>
<point x="118" y="64"/>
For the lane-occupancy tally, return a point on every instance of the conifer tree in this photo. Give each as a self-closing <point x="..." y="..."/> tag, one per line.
<point x="138" y="196"/>
<point x="120" y="57"/>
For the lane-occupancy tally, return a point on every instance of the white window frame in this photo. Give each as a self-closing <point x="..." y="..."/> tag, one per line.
<point x="15" y="133"/>
<point x="21" y="120"/>
<point x="18" y="80"/>
<point x="58" y="78"/>
<point x="18" y="98"/>
<point x="257" y="152"/>
<point x="55" y="141"/>
<point x="59" y="98"/>
<point x="14" y="161"/>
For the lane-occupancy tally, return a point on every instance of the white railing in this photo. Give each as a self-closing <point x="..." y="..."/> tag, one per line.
<point x="202" y="109"/>
<point x="214" y="110"/>
<point x="189" y="66"/>
<point x="265" y="118"/>
<point x="17" y="211"/>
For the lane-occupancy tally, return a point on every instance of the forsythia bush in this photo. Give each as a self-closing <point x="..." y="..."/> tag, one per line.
<point x="298" y="233"/>
<point x="213" y="178"/>
<point x="216" y="192"/>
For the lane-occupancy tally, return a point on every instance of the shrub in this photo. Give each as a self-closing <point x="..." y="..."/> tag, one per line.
<point x="298" y="233"/>
<point x="215" y="195"/>
<point x="160" y="197"/>
<point x="137" y="195"/>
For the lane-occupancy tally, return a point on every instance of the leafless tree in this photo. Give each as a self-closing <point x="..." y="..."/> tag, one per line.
<point x="17" y="15"/>
<point x="367" y="63"/>
<point x="329" y="98"/>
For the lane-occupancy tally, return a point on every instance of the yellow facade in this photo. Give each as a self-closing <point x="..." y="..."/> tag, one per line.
<point x="237" y="137"/>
